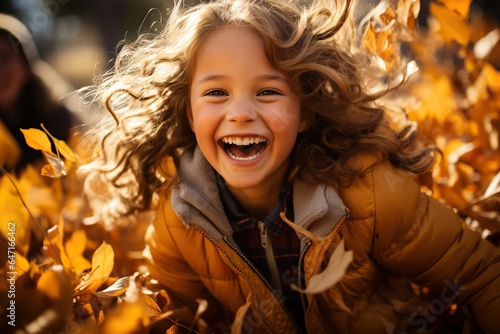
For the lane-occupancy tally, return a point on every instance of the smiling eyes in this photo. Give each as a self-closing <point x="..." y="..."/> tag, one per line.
<point x="265" y="92"/>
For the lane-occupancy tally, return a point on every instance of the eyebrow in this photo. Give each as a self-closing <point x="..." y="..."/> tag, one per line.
<point x="264" y="77"/>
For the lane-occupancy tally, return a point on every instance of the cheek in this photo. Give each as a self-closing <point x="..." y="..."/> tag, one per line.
<point x="283" y="119"/>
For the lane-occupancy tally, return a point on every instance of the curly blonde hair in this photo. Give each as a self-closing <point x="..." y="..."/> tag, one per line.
<point x="318" y="47"/>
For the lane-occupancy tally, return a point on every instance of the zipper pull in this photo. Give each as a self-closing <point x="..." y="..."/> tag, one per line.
<point x="264" y="238"/>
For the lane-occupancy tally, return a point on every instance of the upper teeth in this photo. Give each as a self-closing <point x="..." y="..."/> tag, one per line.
<point x="244" y="141"/>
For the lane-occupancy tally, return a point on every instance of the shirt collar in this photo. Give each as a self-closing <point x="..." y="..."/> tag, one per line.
<point x="241" y="220"/>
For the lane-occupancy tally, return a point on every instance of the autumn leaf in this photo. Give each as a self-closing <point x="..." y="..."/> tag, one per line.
<point x="62" y="147"/>
<point x="459" y="6"/>
<point x="334" y="271"/>
<point x="55" y="167"/>
<point x="116" y="289"/>
<point x="75" y="247"/>
<point x="37" y="139"/>
<point x="453" y="27"/>
<point x="128" y="319"/>
<point x="14" y="218"/>
<point x="150" y="307"/>
<point x="56" y="235"/>
<point x="380" y="41"/>
<point x="102" y="266"/>
<point x="10" y="152"/>
<point x="407" y="12"/>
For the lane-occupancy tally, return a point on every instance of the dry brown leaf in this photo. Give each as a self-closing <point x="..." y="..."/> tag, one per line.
<point x="334" y="271"/>
<point x="239" y="319"/>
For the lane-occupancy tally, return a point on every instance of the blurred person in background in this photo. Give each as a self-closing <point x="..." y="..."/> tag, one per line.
<point x="30" y="93"/>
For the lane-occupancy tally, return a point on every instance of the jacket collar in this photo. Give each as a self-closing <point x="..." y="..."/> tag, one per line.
<point x="196" y="201"/>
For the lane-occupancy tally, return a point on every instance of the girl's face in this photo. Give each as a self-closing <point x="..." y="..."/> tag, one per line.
<point x="243" y="111"/>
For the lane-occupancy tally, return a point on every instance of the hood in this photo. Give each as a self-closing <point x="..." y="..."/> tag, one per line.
<point x="196" y="201"/>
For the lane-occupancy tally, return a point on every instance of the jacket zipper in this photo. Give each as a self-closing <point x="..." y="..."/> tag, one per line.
<point x="301" y="261"/>
<point x="300" y="274"/>
<point x="266" y="283"/>
<point x="266" y="243"/>
<point x="255" y="270"/>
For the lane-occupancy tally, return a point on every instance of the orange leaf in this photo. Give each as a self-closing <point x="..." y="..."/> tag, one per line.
<point x="62" y="147"/>
<point x="380" y="40"/>
<point x="37" y="139"/>
<point x="129" y="318"/>
<point x="55" y="283"/>
<point x="55" y="167"/>
<point x="10" y="152"/>
<point x="407" y="12"/>
<point x="453" y="26"/>
<point x="459" y="6"/>
<point x="75" y="247"/>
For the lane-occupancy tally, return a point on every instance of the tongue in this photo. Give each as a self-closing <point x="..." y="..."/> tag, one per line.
<point x="245" y="151"/>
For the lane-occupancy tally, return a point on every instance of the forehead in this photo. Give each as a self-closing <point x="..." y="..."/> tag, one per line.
<point x="232" y="47"/>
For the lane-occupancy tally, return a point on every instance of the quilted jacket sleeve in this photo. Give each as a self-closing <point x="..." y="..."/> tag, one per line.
<point x="419" y="237"/>
<point x="167" y="264"/>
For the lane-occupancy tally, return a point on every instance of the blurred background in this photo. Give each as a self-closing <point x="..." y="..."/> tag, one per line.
<point x="79" y="38"/>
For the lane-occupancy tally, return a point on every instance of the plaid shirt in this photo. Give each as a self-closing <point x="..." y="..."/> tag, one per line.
<point x="286" y="244"/>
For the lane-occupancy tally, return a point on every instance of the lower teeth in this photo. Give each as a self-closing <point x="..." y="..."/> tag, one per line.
<point x="242" y="158"/>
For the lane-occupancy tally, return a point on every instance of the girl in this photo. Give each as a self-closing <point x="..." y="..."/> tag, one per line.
<point x="285" y="201"/>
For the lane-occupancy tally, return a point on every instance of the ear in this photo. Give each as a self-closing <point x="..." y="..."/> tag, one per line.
<point x="189" y="114"/>
<point x="306" y="122"/>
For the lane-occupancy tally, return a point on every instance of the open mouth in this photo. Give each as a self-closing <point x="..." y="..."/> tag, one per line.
<point x="247" y="148"/>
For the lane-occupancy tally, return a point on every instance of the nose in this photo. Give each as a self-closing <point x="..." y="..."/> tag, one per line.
<point x="241" y="112"/>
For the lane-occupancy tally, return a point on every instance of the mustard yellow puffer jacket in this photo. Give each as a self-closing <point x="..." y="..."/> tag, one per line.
<point x="356" y="267"/>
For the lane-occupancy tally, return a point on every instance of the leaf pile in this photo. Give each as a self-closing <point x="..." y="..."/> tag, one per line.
<point x="75" y="275"/>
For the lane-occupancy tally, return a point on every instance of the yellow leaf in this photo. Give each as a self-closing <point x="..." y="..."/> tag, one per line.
<point x="103" y="261"/>
<point x="65" y="150"/>
<point x="126" y="320"/>
<point x="75" y="246"/>
<point x="14" y="218"/>
<point x="10" y="152"/>
<point x="55" y="167"/>
<point x="56" y="235"/>
<point x="150" y="307"/>
<point x="453" y="27"/>
<point x="459" y="6"/>
<point x="48" y="284"/>
<point x="37" y="139"/>
<point x="55" y="283"/>
<point x="102" y="265"/>
<point x="62" y="147"/>
<point x="22" y="265"/>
